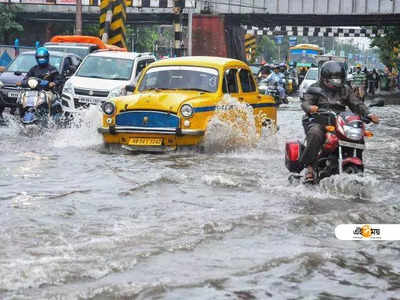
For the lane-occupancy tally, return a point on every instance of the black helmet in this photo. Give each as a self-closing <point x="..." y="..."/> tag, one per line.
<point x="333" y="75"/>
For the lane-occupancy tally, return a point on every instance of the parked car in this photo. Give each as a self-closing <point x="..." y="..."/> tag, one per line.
<point x="310" y="78"/>
<point x="176" y="98"/>
<point x="101" y="76"/>
<point x="66" y="64"/>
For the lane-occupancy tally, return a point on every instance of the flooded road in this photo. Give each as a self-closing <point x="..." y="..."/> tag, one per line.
<point x="78" y="222"/>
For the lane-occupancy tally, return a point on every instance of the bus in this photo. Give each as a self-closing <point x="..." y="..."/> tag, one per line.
<point x="304" y="54"/>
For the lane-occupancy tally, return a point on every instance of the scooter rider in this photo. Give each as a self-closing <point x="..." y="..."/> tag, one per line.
<point x="44" y="70"/>
<point x="330" y="92"/>
<point x="276" y="77"/>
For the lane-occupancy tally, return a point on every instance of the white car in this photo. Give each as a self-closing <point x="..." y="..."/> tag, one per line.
<point x="310" y="78"/>
<point x="101" y="76"/>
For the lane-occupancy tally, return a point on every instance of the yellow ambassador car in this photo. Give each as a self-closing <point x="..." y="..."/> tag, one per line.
<point x="175" y="99"/>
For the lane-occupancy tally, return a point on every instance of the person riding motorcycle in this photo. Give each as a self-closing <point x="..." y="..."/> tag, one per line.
<point x="44" y="70"/>
<point x="330" y="92"/>
<point x="277" y="78"/>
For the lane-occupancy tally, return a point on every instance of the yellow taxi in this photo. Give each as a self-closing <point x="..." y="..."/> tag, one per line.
<point x="175" y="99"/>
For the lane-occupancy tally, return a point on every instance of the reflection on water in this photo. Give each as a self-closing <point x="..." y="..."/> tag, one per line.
<point x="78" y="223"/>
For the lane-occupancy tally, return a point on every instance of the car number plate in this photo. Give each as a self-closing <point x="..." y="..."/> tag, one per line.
<point x="89" y="100"/>
<point x="352" y="145"/>
<point x="13" y="94"/>
<point x="145" y="142"/>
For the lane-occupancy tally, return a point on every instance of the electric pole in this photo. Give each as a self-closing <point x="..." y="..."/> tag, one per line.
<point x="78" y="18"/>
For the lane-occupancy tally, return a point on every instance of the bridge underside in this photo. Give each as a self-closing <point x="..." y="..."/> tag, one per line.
<point x="259" y="20"/>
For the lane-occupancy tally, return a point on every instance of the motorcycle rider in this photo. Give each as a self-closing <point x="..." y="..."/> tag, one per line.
<point x="44" y="70"/>
<point x="330" y="92"/>
<point x="277" y="78"/>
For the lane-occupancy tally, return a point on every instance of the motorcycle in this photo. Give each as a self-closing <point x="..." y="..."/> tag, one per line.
<point x="37" y="105"/>
<point x="342" y="150"/>
<point x="272" y="90"/>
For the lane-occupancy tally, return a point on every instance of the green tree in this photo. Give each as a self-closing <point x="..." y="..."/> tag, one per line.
<point x="9" y="27"/>
<point x="145" y="37"/>
<point x="266" y="49"/>
<point x="388" y="46"/>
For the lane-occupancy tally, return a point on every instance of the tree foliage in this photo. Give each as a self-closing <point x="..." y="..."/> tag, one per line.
<point x="388" y="46"/>
<point x="9" y="27"/>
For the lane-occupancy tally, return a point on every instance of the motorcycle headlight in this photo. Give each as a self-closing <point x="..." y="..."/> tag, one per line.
<point x="33" y="83"/>
<point x="353" y="133"/>
<point x="187" y="110"/>
<point x="68" y="88"/>
<point x="108" y="108"/>
<point x="115" y="92"/>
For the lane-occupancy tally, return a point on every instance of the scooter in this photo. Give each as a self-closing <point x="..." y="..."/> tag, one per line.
<point x="38" y="104"/>
<point x="342" y="150"/>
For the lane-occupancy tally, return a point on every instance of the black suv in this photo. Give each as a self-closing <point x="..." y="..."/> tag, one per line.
<point x="66" y="64"/>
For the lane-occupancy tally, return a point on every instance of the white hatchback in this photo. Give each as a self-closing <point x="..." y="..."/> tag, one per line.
<point x="310" y="78"/>
<point x="101" y="76"/>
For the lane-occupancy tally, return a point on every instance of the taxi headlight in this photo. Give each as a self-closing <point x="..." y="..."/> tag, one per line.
<point x="108" y="108"/>
<point x="68" y="88"/>
<point x="187" y="110"/>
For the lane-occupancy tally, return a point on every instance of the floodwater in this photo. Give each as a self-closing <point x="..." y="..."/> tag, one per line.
<point x="80" y="222"/>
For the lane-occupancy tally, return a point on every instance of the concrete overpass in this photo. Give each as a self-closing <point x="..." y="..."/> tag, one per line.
<point x="218" y="24"/>
<point x="259" y="13"/>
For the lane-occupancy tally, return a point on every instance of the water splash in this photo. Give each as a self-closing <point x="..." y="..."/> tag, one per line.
<point x="82" y="131"/>
<point x="232" y="127"/>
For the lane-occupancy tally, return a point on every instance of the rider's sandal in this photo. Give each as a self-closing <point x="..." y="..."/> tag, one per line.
<point x="309" y="177"/>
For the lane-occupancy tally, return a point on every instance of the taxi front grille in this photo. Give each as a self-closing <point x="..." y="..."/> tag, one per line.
<point x="147" y="119"/>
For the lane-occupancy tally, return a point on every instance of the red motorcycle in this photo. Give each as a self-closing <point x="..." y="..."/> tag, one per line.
<point x="342" y="150"/>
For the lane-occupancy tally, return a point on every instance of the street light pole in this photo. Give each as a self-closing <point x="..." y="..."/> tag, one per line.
<point x="78" y="18"/>
<point x="190" y="21"/>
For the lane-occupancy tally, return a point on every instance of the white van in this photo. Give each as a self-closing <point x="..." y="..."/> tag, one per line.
<point x="101" y="76"/>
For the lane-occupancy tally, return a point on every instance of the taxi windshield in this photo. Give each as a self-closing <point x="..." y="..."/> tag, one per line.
<point x="180" y="78"/>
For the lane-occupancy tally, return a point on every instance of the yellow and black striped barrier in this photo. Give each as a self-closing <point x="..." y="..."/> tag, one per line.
<point x="112" y="22"/>
<point x="250" y="44"/>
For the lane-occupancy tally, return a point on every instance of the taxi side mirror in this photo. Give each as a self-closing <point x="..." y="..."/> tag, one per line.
<point x="130" y="88"/>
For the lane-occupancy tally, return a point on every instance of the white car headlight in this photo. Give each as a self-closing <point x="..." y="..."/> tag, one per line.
<point x="1" y="84"/>
<point x="115" y="92"/>
<point x="187" y="110"/>
<point x="68" y="88"/>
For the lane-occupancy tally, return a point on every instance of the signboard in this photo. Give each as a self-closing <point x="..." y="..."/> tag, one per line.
<point x="278" y="39"/>
<point x="292" y="41"/>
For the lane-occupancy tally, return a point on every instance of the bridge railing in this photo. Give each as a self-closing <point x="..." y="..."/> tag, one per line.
<point x="132" y="3"/>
